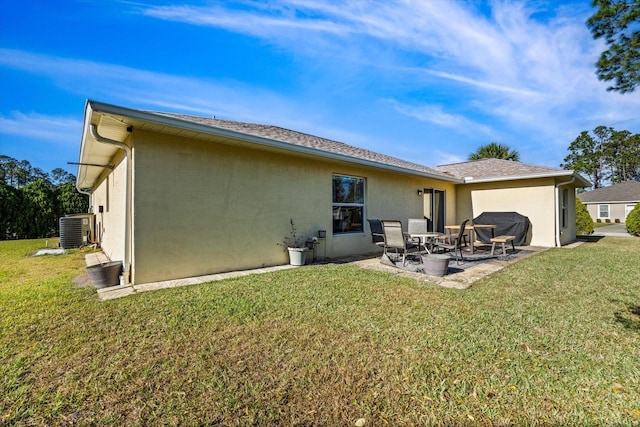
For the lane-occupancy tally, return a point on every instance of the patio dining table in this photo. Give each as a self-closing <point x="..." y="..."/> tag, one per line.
<point x="425" y="239"/>
<point x="452" y="229"/>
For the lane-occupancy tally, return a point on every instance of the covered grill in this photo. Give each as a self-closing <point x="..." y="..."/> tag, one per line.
<point x="508" y="223"/>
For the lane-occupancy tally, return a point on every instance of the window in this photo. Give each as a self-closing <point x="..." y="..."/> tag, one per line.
<point x="348" y="204"/>
<point x="603" y="211"/>
<point x="565" y="201"/>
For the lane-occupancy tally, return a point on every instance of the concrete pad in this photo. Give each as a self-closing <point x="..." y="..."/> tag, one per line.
<point x="167" y="284"/>
<point x="575" y="244"/>
<point x="113" y="292"/>
<point x="454" y="280"/>
<point x="95" y="258"/>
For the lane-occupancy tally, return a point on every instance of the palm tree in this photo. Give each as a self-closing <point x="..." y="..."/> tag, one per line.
<point x="494" y="150"/>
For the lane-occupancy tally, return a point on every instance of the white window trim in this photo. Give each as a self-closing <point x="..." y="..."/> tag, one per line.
<point x="362" y="205"/>
<point x="608" y="211"/>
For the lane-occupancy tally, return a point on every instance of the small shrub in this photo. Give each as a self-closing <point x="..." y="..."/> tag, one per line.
<point x="617" y="221"/>
<point x="598" y="220"/>
<point x="608" y="221"/>
<point x="584" y="223"/>
<point x="633" y="221"/>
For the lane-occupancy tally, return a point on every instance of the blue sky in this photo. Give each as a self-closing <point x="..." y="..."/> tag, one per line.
<point x="427" y="81"/>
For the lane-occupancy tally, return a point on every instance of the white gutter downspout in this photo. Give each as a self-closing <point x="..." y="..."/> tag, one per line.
<point x="81" y="191"/>
<point x="558" y="213"/>
<point x="128" y="214"/>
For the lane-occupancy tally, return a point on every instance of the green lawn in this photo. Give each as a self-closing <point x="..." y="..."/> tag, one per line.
<point x="553" y="339"/>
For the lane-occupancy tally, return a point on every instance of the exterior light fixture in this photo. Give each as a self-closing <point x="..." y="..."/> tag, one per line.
<point x="419" y="192"/>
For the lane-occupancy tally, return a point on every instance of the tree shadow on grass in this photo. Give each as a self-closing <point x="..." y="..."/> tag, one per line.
<point x="630" y="319"/>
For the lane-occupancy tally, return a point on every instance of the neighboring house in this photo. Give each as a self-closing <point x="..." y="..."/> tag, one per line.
<point x="177" y="196"/>
<point x="612" y="203"/>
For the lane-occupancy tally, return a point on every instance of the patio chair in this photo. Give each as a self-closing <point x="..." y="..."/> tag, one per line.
<point x="455" y="245"/>
<point x="395" y="239"/>
<point x="377" y="233"/>
<point x="418" y="226"/>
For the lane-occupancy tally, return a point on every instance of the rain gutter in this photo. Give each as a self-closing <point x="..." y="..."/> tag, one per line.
<point x="471" y="180"/>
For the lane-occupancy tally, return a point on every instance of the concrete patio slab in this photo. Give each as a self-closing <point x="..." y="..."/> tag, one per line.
<point x="458" y="279"/>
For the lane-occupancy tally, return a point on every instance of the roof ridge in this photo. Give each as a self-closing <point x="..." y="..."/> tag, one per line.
<point x="297" y="138"/>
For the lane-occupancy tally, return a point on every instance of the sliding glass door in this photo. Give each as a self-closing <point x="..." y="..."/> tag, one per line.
<point x="434" y="211"/>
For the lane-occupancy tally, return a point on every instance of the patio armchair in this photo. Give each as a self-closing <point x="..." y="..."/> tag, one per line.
<point x="454" y="242"/>
<point x="395" y="239"/>
<point x="377" y="233"/>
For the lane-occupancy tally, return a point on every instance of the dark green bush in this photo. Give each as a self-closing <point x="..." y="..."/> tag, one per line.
<point x="617" y="221"/>
<point x="633" y="221"/>
<point x="608" y="221"/>
<point x="584" y="223"/>
<point x="597" y="220"/>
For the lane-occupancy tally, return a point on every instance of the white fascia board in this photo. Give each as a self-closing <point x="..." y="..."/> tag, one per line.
<point x="602" y="202"/>
<point x="569" y="173"/>
<point x="82" y="170"/>
<point x="212" y="130"/>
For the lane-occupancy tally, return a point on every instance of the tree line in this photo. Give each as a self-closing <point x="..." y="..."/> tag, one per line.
<point x="32" y="201"/>
<point x="605" y="155"/>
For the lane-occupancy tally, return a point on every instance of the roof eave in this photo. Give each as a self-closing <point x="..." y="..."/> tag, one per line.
<point x="82" y="168"/>
<point x="103" y="108"/>
<point x="609" y="201"/>
<point x="554" y="174"/>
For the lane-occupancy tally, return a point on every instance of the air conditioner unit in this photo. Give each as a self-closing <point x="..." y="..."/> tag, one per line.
<point x="76" y="230"/>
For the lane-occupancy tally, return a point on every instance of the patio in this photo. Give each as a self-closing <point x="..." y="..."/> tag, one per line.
<point x="459" y="276"/>
<point x="474" y="267"/>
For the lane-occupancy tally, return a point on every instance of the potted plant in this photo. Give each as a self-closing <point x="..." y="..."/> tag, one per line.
<point x="296" y="245"/>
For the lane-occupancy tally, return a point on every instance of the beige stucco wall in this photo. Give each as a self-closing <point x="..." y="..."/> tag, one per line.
<point x="203" y="207"/>
<point x="110" y="224"/>
<point x="534" y="199"/>
<point x="616" y="211"/>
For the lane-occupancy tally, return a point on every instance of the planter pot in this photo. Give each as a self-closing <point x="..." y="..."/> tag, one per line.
<point x="436" y="265"/>
<point x="104" y="275"/>
<point x="297" y="256"/>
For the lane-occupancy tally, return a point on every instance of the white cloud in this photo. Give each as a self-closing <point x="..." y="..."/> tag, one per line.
<point x="436" y="115"/>
<point x="510" y="72"/>
<point x="530" y="66"/>
<point x="241" y="21"/>
<point x="47" y="128"/>
<point x="159" y="91"/>
<point x="114" y="83"/>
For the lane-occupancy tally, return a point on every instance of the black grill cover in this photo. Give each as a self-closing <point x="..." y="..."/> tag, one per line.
<point x="509" y="223"/>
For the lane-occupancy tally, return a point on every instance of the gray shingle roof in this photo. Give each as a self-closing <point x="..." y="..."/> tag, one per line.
<point x="628" y="191"/>
<point x="497" y="168"/>
<point x="309" y="141"/>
